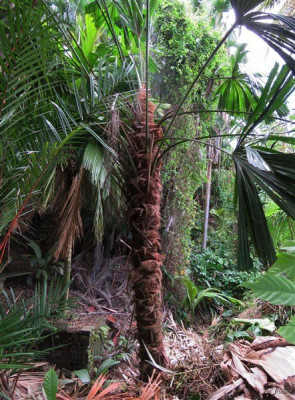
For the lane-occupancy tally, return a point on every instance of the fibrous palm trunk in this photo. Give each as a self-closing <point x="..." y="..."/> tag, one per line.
<point x="144" y="219"/>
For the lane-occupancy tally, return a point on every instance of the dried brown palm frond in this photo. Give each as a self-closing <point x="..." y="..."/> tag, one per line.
<point x="152" y="390"/>
<point x="113" y="126"/>
<point x="70" y="223"/>
<point x="272" y="374"/>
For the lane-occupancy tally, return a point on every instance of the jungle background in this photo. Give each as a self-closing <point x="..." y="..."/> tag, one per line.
<point x="196" y="274"/>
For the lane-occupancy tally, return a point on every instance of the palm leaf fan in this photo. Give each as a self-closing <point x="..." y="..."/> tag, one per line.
<point x="278" y="87"/>
<point x="279" y="33"/>
<point x="241" y="7"/>
<point x="273" y="172"/>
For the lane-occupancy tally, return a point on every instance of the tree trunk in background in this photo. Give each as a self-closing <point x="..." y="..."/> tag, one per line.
<point x="67" y="270"/>
<point x="144" y="220"/>
<point x="213" y="157"/>
<point x="207" y="196"/>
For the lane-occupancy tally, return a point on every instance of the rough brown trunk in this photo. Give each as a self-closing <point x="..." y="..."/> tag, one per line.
<point x="144" y="219"/>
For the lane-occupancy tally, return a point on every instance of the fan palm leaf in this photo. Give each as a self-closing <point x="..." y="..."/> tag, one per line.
<point x="272" y="171"/>
<point x="236" y="91"/>
<point x="279" y="34"/>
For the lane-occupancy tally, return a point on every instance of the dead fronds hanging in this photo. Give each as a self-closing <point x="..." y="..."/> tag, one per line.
<point x="70" y="222"/>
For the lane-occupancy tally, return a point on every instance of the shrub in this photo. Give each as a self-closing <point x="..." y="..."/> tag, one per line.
<point x="217" y="268"/>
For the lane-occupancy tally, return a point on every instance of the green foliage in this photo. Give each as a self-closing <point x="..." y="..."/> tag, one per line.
<point x="235" y="93"/>
<point x="83" y="375"/>
<point x="281" y="226"/>
<point x="277" y="286"/>
<point x="285" y="264"/>
<point x="106" y="352"/>
<point x="274" y="289"/>
<point x="23" y="324"/>
<point x="43" y="264"/>
<point x="259" y="166"/>
<point x="216" y="267"/>
<point x="183" y="43"/>
<point x="183" y="173"/>
<point x="105" y="366"/>
<point x="264" y="323"/>
<point x="50" y="384"/>
<point x="248" y="328"/>
<point x="288" y="330"/>
<point x="195" y="295"/>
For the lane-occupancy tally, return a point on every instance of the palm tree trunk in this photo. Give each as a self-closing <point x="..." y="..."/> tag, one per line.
<point x="144" y="220"/>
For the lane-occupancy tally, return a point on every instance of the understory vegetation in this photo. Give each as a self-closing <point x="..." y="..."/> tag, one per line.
<point x="147" y="200"/>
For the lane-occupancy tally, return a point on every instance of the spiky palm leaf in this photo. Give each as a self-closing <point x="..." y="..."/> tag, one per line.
<point x="236" y="91"/>
<point x="271" y="170"/>
<point x="64" y="105"/>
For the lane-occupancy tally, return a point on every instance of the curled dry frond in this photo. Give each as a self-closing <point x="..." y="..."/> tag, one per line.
<point x="70" y="225"/>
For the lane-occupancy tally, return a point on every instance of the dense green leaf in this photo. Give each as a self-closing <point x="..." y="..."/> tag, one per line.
<point x="278" y="87"/>
<point x="264" y="323"/>
<point x="281" y="138"/>
<point x="82" y="374"/>
<point x="274" y="172"/>
<point x="106" y="365"/>
<point x="50" y="384"/>
<point x="285" y="264"/>
<point x="288" y="330"/>
<point x="274" y="289"/>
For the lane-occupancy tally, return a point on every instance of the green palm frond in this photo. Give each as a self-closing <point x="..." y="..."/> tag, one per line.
<point x="94" y="162"/>
<point x="252" y="223"/>
<point x="277" y="89"/>
<point x="236" y="91"/>
<point x="267" y="169"/>
<point x="22" y="324"/>
<point x="274" y="173"/>
<point x="46" y="107"/>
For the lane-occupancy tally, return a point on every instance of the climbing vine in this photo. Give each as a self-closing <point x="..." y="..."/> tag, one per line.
<point x="183" y="41"/>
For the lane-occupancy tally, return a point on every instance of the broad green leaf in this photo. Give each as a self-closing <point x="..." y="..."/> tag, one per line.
<point x="288" y="331"/>
<point x="106" y="365"/>
<point x="264" y="323"/>
<point x="82" y="374"/>
<point x="50" y="384"/>
<point x="285" y="264"/>
<point x="288" y="246"/>
<point x="281" y="138"/>
<point x="36" y="249"/>
<point x="274" y="289"/>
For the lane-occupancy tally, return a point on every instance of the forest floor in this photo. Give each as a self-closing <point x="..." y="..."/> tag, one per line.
<point x="201" y="364"/>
